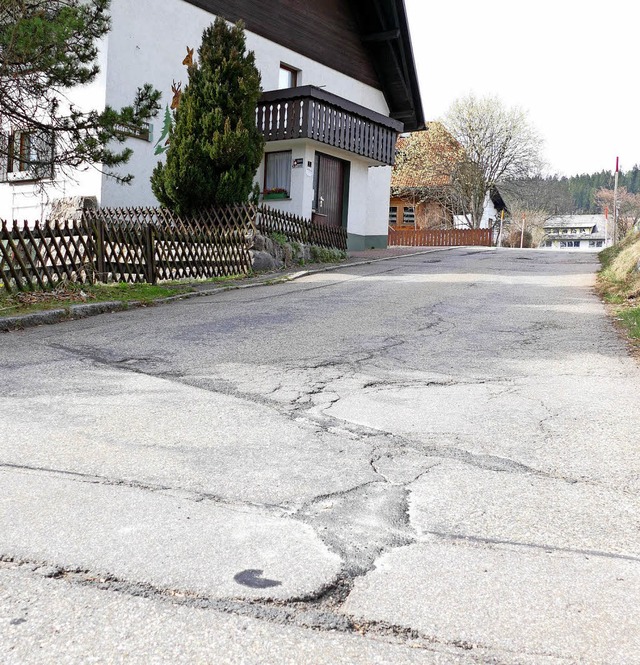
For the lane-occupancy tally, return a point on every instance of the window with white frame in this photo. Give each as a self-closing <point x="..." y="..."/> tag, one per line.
<point x="277" y="173"/>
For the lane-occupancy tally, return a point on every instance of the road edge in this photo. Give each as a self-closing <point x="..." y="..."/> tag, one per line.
<point x="85" y="310"/>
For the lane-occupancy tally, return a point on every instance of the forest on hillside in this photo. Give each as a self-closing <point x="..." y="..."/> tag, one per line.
<point x="584" y="187"/>
<point x="540" y="198"/>
<point x="575" y="194"/>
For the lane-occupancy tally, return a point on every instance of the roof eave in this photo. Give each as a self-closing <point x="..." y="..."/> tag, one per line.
<point x="419" y="121"/>
<point x="384" y="25"/>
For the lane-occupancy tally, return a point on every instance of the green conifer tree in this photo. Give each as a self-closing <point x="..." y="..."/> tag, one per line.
<point x="214" y="146"/>
<point x="48" y="47"/>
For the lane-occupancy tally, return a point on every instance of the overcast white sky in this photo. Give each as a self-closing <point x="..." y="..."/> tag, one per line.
<point x="571" y="63"/>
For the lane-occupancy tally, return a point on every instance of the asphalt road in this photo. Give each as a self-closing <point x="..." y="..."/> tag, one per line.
<point x="433" y="459"/>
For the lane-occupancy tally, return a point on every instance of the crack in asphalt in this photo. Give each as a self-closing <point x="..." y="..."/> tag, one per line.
<point x="548" y="549"/>
<point x="319" y="611"/>
<point x="359" y="523"/>
<point x="302" y="413"/>
<point x="381" y="384"/>
<point x="168" y="490"/>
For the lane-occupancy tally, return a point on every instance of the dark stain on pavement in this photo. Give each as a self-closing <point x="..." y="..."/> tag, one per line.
<point x="253" y="579"/>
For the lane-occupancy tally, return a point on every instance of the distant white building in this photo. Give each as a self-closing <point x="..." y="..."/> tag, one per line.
<point x="581" y="232"/>
<point x="492" y="207"/>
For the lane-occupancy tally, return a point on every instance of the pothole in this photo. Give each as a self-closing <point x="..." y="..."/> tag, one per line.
<point x="362" y="523"/>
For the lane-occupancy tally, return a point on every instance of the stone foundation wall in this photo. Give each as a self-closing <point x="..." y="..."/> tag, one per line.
<point x="268" y="254"/>
<point x="71" y="208"/>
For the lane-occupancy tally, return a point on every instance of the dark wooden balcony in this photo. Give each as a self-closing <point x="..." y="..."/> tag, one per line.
<point x="312" y="113"/>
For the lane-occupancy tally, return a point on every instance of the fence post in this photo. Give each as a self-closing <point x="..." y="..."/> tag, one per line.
<point x="7" y="257"/>
<point x="98" y="234"/>
<point x="150" y="250"/>
<point x="21" y="265"/>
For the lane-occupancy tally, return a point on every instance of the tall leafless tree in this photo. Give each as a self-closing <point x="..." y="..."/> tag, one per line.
<point x="499" y="145"/>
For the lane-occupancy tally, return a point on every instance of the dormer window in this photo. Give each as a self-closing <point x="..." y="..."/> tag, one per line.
<point x="288" y="77"/>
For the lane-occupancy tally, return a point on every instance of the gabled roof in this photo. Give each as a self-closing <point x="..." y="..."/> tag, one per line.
<point x="575" y="222"/>
<point x="425" y="159"/>
<point x="585" y="235"/>
<point x="366" y="39"/>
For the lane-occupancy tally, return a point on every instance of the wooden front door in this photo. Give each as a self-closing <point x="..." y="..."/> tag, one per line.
<point x="330" y="176"/>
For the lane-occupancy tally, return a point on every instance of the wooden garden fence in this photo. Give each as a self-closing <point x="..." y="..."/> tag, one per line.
<point x="145" y="245"/>
<point x="299" y="229"/>
<point x="439" y="238"/>
<point x="126" y="245"/>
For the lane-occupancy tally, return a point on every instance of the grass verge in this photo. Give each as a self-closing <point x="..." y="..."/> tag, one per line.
<point x="619" y="283"/>
<point x="631" y="319"/>
<point x="324" y="255"/>
<point x="65" y="294"/>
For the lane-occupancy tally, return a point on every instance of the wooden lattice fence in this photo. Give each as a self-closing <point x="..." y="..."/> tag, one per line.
<point x="299" y="229"/>
<point x="127" y="245"/>
<point x="45" y="254"/>
<point x="146" y="245"/>
<point x="439" y="238"/>
<point x="151" y="244"/>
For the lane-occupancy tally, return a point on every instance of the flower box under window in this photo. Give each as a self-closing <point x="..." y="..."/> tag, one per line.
<point x="278" y="193"/>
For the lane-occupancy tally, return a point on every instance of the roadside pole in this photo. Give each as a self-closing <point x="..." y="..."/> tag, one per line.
<point x="615" y="204"/>
<point x="522" y="232"/>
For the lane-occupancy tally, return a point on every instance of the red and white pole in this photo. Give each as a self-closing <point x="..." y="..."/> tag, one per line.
<point x="615" y="203"/>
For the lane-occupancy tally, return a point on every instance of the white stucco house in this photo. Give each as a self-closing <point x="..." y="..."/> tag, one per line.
<point x="339" y="84"/>
<point x="576" y="232"/>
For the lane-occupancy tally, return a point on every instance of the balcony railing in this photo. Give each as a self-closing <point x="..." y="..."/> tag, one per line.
<point x="312" y="113"/>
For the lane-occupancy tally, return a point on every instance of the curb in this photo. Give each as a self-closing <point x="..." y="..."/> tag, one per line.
<point x="71" y="313"/>
<point x="83" y="311"/>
